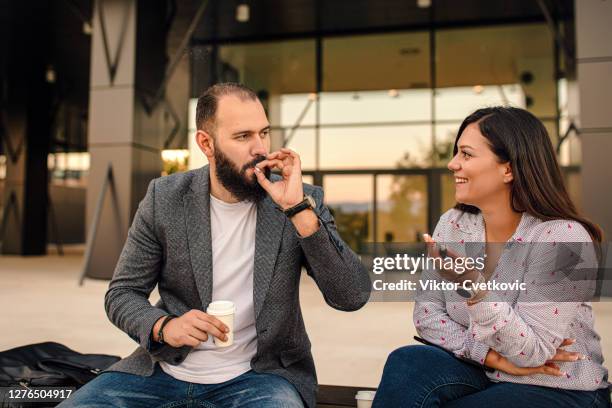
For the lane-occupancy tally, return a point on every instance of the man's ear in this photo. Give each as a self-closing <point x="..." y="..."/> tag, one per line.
<point x="508" y="176"/>
<point x="205" y="142"/>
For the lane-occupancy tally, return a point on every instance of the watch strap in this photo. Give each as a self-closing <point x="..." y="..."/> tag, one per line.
<point x="301" y="206"/>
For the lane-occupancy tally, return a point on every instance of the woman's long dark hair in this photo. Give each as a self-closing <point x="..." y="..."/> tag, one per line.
<point x="519" y="138"/>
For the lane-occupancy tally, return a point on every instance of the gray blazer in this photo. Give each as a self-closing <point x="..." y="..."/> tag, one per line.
<point x="169" y="244"/>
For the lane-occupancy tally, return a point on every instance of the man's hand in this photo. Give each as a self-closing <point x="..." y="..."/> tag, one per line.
<point x="286" y="192"/>
<point x="191" y="329"/>
<point x="499" y="362"/>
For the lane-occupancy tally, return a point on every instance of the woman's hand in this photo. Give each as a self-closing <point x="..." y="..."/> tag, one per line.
<point x="501" y="363"/>
<point x="438" y="251"/>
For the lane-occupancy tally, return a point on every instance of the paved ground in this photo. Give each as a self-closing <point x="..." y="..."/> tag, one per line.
<point x="41" y="301"/>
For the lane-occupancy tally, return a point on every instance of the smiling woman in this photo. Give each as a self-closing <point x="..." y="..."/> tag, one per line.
<point x="510" y="147"/>
<point x="509" y="190"/>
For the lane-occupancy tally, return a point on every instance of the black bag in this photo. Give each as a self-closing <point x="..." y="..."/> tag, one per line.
<point x="50" y="365"/>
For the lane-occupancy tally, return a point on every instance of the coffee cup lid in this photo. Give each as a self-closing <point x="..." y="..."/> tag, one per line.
<point x="365" y="395"/>
<point x="221" y="307"/>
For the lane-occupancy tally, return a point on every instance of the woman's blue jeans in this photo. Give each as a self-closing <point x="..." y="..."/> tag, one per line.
<point x="425" y="376"/>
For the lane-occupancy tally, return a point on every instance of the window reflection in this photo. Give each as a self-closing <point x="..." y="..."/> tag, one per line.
<point x="308" y="179"/>
<point x="499" y="55"/>
<point x="390" y="106"/>
<point x="303" y="142"/>
<point x="456" y="103"/>
<point x="573" y="182"/>
<point x="448" y="192"/>
<point x="401" y="208"/>
<point x="376" y="62"/>
<point x="377" y="109"/>
<point x="349" y="198"/>
<point x="445" y="135"/>
<point x="365" y="147"/>
<point x="281" y="67"/>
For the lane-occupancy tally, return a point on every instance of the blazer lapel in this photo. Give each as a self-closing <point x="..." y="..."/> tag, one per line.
<point x="199" y="239"/>
<point x="268" y="235"/>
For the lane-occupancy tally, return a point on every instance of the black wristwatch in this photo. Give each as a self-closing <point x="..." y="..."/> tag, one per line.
<point x="307" y="202"/>
<point x="160" y="333"/>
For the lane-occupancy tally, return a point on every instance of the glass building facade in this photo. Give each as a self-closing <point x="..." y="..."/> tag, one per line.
<point x="369" y="93"/>
<point x="374" y="112"/>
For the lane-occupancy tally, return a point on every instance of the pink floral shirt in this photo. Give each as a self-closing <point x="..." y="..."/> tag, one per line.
<point x="520" y="326"/>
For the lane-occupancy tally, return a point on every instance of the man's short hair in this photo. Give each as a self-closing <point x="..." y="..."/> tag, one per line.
<point x="209" y="100"/>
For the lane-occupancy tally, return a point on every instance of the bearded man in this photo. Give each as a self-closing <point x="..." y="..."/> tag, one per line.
<point x="228" y="231"/>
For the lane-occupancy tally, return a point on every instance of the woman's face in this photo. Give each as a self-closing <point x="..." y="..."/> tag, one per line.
<point x="479" y="177"/>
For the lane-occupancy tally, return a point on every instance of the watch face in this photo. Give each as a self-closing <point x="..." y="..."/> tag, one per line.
<point x="311" y="201"/>
<point x="464" y="293"/>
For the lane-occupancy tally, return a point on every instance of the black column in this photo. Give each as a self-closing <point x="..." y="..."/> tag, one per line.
<point x="26" y="124"/>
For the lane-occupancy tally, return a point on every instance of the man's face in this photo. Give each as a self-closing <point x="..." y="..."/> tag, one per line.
<point x="241" y="140"/>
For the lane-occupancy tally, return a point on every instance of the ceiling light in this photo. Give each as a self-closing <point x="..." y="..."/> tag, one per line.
<point x="243" y="13"/>
<point x="50" y="75"/>
<point x="424" y="3"/>
<point x="87" y="30"/>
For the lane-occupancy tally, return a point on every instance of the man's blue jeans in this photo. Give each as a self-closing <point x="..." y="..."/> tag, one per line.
<point x="121" y="390"/>
<point x="425" y="376"/>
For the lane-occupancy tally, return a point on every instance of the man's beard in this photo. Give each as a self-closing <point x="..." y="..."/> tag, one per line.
<point x="235" y="181"/>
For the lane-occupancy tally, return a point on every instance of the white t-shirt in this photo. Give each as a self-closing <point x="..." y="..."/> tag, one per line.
<point x="233" y="248"/>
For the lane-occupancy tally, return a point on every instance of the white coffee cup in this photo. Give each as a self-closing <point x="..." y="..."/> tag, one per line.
<point x="223" y="310"/>
<point x="364" y="398"/>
